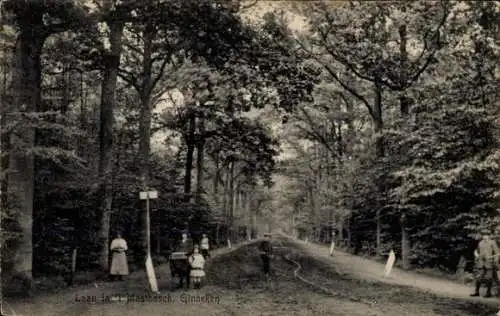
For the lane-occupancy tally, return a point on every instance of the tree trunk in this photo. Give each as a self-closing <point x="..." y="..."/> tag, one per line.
<point x="112" y="63"/>
<point x="26" y="83"/>
<point x="238" y="203"/>
<point x="379" y="235"/>
<point x="341" y="230"/>
<point x="349" y="233"/>
<point x="254" y="222"/>
<point x="83" y="120"/>
<point x="378" y="121"/>
<point x="231" y="192"/>
<point x="190" y="152"/>
<point x="5" y="137"/>
<point x="216" y="179"/>
<point x="248" y="208"/>
<point x="405" y="244"/>
<point x="225" y="194"/>
<point x="404" y="103"/>
<point x="380" y="152"/>
<point x="200" y="147"/>
<point x="145" y="127"/>
<point x="217" y="233"/>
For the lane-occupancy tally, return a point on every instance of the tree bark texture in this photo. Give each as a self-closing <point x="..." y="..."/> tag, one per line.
<point x="248" y="210"/>
<point x="216" y="180"/>
<point x="190" y="140"/>
<point x="380" y="152"/>
<point x="378" y="121"/>
<point x="27" y="98"/>
<point x="231" y="192"/>
<point x="404" y="103"/>
<point x="200" y="147"/>
<point x="405" y="245"/>
<point x="379" y="234"/>
<point x="112" y="63"/>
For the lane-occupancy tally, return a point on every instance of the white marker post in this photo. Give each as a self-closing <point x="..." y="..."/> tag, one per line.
<point x="229" y="244"/>
<point x="147" y="195"/>
<point x="73" y="261"/>
<point x="390" y="263"/>
<point x="332" y="247"/>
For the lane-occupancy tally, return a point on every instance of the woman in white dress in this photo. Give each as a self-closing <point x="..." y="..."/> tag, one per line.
<point x="119" y="265"/>
<point x="197" y="263"/>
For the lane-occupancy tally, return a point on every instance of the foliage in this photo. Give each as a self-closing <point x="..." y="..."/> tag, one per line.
<point x="441" y="161"/>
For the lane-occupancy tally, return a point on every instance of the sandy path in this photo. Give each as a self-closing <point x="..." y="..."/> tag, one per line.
<point x="371" y="270"/>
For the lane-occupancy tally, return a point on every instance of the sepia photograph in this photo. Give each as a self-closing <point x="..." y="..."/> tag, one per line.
<point x="249" y="157"/>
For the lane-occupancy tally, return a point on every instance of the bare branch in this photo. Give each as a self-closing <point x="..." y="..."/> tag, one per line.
<point x="337" y="79"/>
<point x="433" y="53"/>
<point x="160" y="73"/>
<point x="314" y="132"/>
<point x="129" y="78"/>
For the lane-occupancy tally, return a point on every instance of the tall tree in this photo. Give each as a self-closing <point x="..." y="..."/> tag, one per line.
<point x="115" y="16"/>
<point x="35" y="21"/>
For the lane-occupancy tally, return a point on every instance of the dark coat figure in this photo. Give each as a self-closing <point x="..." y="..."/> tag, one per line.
<point x="266" y="251"/>
<point x="185" y="246"/>
<point x="486" y="260"/>
<point x="179" y="265"/>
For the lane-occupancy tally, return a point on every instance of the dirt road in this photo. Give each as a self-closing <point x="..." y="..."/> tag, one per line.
<point x="236" y="286"/>
<point x="363" y="268"/>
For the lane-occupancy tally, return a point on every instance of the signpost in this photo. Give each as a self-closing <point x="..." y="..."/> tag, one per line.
<point x="147" y="195"/>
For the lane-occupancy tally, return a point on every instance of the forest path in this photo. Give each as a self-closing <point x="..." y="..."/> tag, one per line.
<point x="364" y="268"/>
<point x="86" y="299"/>
<point x="305" y="281"/>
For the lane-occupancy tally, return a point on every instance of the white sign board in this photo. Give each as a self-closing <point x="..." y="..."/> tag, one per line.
<point x="150" y="271"/>
<point x="390" y="263"/>
<point x="148" y="195"/>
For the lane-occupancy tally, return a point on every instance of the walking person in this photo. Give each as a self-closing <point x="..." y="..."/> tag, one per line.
<point x="184" y="246"/>
<point x="197" y="263"/>
<point x="266" y="251"/>
<point x="205" y="246"/>
<point x="119" y="264"/>
<point x="486" y="259"/>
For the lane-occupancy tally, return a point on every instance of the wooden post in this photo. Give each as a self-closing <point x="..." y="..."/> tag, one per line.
<point x="147" y="195"/>
<point x="73" y="262"/>
<point x="404" y="244"/>
<point x="148" y="228"/>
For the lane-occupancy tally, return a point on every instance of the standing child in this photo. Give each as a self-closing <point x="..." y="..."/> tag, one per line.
<point x="197" y="263"/>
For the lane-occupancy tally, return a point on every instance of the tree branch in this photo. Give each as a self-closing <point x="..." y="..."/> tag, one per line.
<point x="129" y="78"/>
<point x="314" y="132"/>
<point x="160" y="73"/>
<point x="337" y="79"/>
